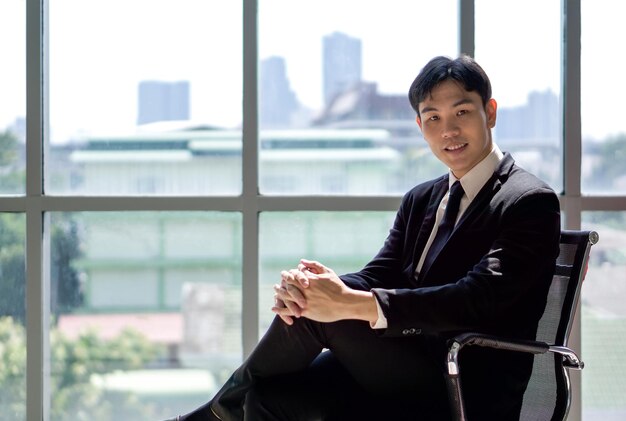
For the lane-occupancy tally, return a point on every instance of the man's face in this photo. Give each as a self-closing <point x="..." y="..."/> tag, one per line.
<point x="456" y="126"/>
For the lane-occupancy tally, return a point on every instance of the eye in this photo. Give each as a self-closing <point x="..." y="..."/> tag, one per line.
<point x="433" y="118"/>
<point x="462" y="112"/>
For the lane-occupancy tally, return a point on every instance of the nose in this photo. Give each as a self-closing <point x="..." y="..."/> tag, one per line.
<point x="450" y="129"/>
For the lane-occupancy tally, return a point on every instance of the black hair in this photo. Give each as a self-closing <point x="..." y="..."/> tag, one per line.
<point x="463" y="70"/>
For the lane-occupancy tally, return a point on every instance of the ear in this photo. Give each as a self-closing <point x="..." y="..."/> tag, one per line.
<point x="418" y="120"/>
<point x="491" y="109"/>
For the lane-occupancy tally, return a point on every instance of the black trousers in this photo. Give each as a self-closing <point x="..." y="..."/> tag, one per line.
<point x="363" y="376"/>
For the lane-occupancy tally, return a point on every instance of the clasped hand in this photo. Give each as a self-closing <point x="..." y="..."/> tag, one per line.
<point x="312" y="290"/>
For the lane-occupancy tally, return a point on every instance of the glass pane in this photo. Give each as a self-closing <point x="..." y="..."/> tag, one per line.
<point x="145" y="97"/>
<point x="333" y="106"/>
<point x="603" y="126"/>
<point x="604" y="319"/>
<point x="146" y="311"/>
<point x="343" y="241"/>
<point x="12" y="316"/>
<point x="524" y="67"/>
<point x="13" y="93"/>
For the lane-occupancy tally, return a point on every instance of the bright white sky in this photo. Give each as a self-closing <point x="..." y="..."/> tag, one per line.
<point x="100" y="50"/>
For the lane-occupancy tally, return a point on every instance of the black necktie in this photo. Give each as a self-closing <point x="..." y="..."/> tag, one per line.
<point x="447" y="224"/>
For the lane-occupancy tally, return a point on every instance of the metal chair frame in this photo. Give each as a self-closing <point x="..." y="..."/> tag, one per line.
<point x="568" y="358"/>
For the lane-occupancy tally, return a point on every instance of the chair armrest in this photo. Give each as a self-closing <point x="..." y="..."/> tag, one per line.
<point x="491" y="341"/>
<point x="571" y="360"/>
<point x="453" y="380"/>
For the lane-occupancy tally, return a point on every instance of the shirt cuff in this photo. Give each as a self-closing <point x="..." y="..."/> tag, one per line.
<point x="381" y="322"/>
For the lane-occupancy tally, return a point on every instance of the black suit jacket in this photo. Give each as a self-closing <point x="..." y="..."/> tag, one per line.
<point x="492" y="276"/>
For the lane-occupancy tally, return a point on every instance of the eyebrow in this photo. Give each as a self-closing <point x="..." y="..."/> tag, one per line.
<point x="461" y="101"/>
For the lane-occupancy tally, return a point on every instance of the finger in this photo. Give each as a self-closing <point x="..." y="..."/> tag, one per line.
<point x="291" y="303"/>
<point x="303" y="268"/>
<point x="281" y="292"/>
<point x="279" y="306"/>
<point x="287" y="277"/>
<point x="300" y="278"/>
<point x="285" y="312"/>
<point x="313" y="266"/>
<point x="285" y="318"/>
<point x="278" y="302"/>
<point x="293" y="308"/>
<point x="296" y="295"/>
<point x="294" y="277"/>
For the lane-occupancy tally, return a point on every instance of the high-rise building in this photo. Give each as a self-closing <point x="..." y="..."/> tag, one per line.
<point x="342" y="64"/>
<point x="163" y="101"/>
<point x="277" y="101"/>
<point x="535" y="121"/>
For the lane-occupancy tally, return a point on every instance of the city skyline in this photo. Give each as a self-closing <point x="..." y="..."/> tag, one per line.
<point x="91" y="92"/>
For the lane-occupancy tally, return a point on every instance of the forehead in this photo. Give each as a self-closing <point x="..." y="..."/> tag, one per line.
<point x="448" y="93"/>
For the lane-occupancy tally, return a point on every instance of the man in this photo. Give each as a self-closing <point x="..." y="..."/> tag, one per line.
<point x="484" y="264"/>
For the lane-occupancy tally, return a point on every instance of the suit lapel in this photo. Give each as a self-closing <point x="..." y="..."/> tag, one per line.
<point x="485" y="194"/>
<point x="491" y="187"/>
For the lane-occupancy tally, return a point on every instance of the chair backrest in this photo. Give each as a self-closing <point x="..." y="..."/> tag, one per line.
<point x="548" y="393"/>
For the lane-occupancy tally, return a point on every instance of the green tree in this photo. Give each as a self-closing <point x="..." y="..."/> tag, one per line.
<point x="12" y="171"/>
<point x="12" y="369"/>
<point x="64" y="277"/>
<point x="65" y="284"/>
<point x="74" y="362"/>
<point x="612" y="155"/>
<point x="12" y="266"/>
<point x="8" y="149"/>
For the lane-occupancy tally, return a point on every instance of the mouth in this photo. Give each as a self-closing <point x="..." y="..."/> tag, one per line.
<point x="455" y="147"/>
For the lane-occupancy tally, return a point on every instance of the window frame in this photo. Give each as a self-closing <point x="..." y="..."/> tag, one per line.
<point x="36" y="203"/>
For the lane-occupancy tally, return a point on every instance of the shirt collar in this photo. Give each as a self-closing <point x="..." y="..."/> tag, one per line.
<point x="475" y="179"/>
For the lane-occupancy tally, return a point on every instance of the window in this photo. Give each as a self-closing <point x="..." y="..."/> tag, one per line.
<point x="603" y="129"/>
<point x="603" y="134"/>
<point x="141" y="301"/>
<point x="13" y="104"/>
<point x="147" y="101"/>
<point x="604" y="318"/>
<point x="333" y="108"/>
<point x="520" y="51"/>
<point x="13" y="314"/>
<point x="180" y="153"/>
<point x="343" y="241"/>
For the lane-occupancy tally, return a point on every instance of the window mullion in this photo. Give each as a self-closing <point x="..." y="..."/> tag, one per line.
<point x="250" y="256"/>
<point x="572" y="150"/>
<point x="37" y="291"/>
<point x="572" y="143"/>
<point x="466" y="27"/>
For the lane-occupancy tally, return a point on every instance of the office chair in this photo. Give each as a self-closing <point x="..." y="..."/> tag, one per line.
<point x="548" y="394"/>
